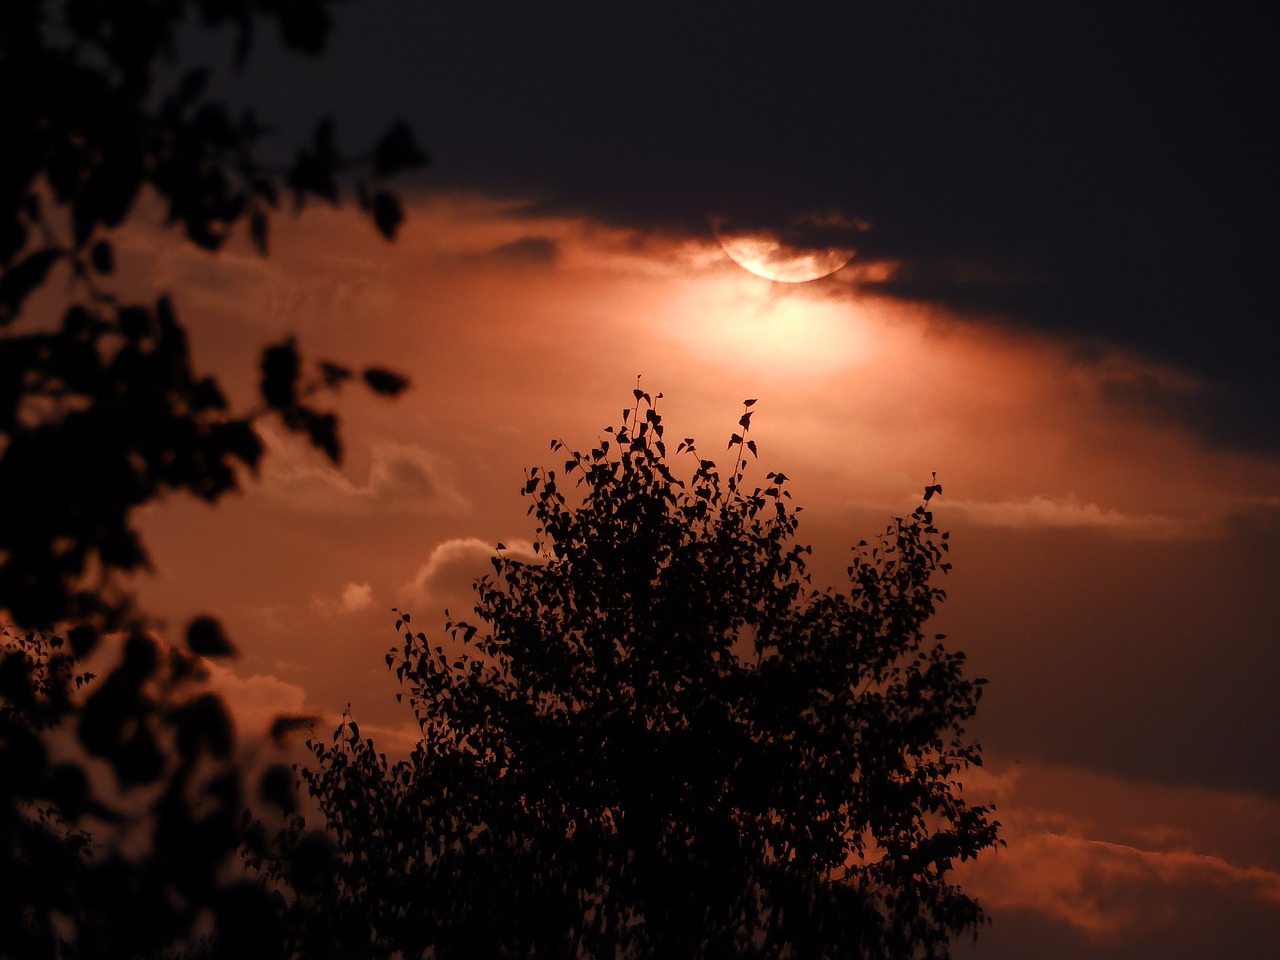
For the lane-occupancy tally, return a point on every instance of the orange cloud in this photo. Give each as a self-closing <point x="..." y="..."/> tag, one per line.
<point x="1070" y="511"/>
<point x="256" y="700"/>
<point x="1102" y="888"/>
<point x="400" y="476"/>
<point x="1065" y="859"/>
<point x="445" y="580"/>
<point x="354" y="598"/>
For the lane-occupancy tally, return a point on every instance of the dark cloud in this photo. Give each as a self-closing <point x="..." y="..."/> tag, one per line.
<point x="1211" y="922"/>
<point x="1150" y="660"/>
<point x="1237" y="412"/>
<point x="1111" y="171"/>
<point x="530" y="249"/>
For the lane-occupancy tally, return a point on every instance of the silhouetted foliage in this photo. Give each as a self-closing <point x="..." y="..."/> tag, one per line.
<point x="102" y="411"/>
<point x="146" y="854"/>
<point x="121" y="804"/>
<point x="659" y="739"/>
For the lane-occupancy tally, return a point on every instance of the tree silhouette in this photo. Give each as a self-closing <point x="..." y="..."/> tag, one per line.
<point x="101" y="412"/>
<point x="659" y="739"/>
<point x="138" y="858"/>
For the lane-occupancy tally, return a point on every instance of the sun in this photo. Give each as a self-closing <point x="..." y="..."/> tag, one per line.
<point x="766" y="254"/>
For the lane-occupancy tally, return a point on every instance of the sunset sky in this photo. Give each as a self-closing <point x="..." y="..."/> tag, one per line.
<point x="1062" y="302"/>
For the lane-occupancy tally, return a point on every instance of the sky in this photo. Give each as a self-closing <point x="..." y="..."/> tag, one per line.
<point x="1061" y="302"/>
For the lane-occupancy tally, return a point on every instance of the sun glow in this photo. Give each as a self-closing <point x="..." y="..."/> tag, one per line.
<point x="741" y="320"/>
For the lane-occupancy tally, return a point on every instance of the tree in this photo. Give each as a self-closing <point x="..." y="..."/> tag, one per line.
<point x="133" y="862"/>
<point x="659" y="739"/>
<point x="101" y="412"/>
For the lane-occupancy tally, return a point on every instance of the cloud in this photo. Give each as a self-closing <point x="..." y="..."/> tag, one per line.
<point x="1104" y="888"/>
<point x="400" y="477"/>
<point x="354" y="598"/>
<point x="530" y="249"/>
<point x="445" y="580"/>
<point x="1070" y="511"/>
<point x="1118" y="859"/>
<point x="255" y="701"/>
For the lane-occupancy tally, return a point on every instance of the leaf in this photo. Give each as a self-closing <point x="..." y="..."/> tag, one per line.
<point x="206" y="395"/>
<point x="134" y="322"/>
<point x="748" y="403"/>
<point x="236" y="438"/>
<point x="279" y="382"/>
<point x="304" y="26"/>
<point x="315" y="168"/>
<point x="70" y="790"/>
<point x="192" y="86"/>
<point x="13" y="237"/>
<point x="102" y="258"/>
<point x="258" y="230"/>
<point x="387" y="213"/>
<point x="206" y="638"/>
<point x="83" y="639"/>
<point x="322" y="431"/>
<point x="386" y="383"/>
<point x="397" y="151"/>
<point x="334" y="374"/>
<point x="286" y="724"/>
<point x="277" y="788"/>
<point x="18" y="281"/>
<point x="203" y="725"/>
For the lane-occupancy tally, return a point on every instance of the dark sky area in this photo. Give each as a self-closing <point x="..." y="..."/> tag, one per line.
<point x="1089" y="171"/>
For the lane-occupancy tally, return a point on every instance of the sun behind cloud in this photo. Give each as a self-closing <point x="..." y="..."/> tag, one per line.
<point x="770" y="258"/>
<point x="737" y="321"/>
